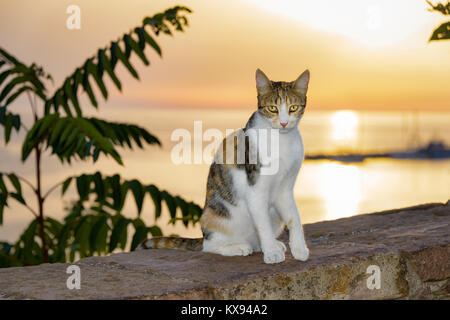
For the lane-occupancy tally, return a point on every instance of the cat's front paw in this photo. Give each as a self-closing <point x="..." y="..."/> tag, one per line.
<point x="275" y="254"/>
<point x="300" y="252"/>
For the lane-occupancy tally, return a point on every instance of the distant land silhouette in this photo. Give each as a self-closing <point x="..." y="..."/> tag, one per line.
<point x="434" y="150"/>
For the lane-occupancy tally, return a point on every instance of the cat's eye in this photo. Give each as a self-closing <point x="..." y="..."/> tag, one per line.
<point x="293" y="108"/>
<point x="272" y="109"/>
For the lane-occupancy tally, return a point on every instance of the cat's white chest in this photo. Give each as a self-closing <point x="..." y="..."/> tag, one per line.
<point x="279" y="168"/>
<point x="290" y="155"/>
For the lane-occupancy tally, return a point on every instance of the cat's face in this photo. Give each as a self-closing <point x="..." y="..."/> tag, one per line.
<point x="282" y="103"/>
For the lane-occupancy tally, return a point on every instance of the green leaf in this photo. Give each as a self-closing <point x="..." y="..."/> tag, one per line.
<point x="15" y="182"/>
<point x="15" y="121"/>
<point x="59" y="132"/>
<point x="15" y="95"/>
<point x="42" y="125"/>
<point x="27" y="239"/>
<point x="121" y="56"/>
<point x="88" y="89"/>
<point x="2" y="206"/>
<point x="53" y="226"/>
<point x="98" y="234"/>
<point x="65" y="185"/>
<point x="82" y="236"/>
<point x="2" y="185"/>
<point x="138" y="222"/>
<point x="91" y="68"/>
<point x="2" y="115"/>
<point x="150" y="41"/>
<point x="18" y="197"/>
<point x="141" y="39"/>
<point x="171" y="205"/>
<point x="9" y="57"/>
<point x="102" y="238"/>
<point x="96" y="154"/>
<point x="107" y="66"/>
<point x="123" y="239"/>
<point x="116" y="191"/>
<point x="59" y="141"/>
<point x="138" y="192"/>
<point x="8" y="127"/>
<point x="156" y="197"/>
<point x="83" y="183"/>
<point x="4" y="75"/>
<point x="135" y="47"/>
<point x="113" y="55"/>
<point x="99" y="141"/>
<point x="139" y="236"/>
<point x="35" y="134"/>
<point x="47" y="107"/>
<point x="9" y="121"/>
<point x="155" y="231"/>
<point x="70" y="139"/>
<point x="158" y="24"/>
<point x="195" y="211"/>
<point x="120" y="228"/>
<point x="184" y="209"/>
<point x="72" y="95"/>
<point x="8" y="88"/>
<point x="441" y="33"/>
<point x="60" y="99"/>
<point x="99" y="187"/>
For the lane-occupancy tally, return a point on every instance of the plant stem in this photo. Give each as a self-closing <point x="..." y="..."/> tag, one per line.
<point x="38" y="190"/>
<point x="40" y="217"/>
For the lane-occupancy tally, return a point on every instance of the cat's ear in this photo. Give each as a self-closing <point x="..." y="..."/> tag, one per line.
<point x="301" y="84"/>
<point x="263" y="85"/>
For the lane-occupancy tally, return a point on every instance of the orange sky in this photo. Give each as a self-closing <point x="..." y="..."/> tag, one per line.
<point x="362" y="54"/>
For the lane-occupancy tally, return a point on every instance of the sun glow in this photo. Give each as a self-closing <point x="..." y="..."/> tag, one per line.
<point x="344" y="125"/>
<point x="373" y="23"/>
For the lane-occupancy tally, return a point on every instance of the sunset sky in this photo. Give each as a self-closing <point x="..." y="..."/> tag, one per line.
<point x="366" y="55"/>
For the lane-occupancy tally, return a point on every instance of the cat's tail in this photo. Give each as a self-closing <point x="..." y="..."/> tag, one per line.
<point x="176" y="243"/>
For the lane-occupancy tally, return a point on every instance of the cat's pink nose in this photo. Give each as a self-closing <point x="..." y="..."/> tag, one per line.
<point x="283" y="124"/>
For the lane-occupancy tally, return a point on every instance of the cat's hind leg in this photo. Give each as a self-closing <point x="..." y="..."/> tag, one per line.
<point x="227" y="248"/>
<point x="240" y="249"/>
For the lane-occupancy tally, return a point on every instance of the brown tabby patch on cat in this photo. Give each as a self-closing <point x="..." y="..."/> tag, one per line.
<point x="212" y="222"/>
<point x="219" y="188"/>
<point x="236" y="152"/>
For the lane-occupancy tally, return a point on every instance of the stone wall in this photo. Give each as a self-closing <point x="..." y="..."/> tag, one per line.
<point x="410" y="248"/>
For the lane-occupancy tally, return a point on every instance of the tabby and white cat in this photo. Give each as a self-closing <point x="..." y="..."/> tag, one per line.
<point x="245" y="211"/>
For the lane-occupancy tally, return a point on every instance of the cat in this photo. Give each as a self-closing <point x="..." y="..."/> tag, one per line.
<point x="245" y="210"/>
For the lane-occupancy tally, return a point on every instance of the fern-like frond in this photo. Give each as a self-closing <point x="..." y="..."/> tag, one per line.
<point x="16" y="78"/>
<point x="80" y="137"/>
<point x="111" y="191"/>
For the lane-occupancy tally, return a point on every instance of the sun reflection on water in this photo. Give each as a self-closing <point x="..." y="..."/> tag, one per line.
<point x="340" y="187"/>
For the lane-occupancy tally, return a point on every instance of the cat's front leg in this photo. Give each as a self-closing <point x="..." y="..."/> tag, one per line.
<point x="287" y="208"/>
<point x="258" y="208"/>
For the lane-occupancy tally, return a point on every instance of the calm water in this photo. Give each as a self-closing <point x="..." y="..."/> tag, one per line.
<point x="324" y="190"/>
